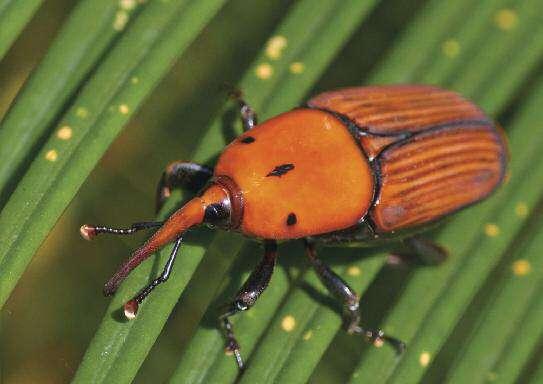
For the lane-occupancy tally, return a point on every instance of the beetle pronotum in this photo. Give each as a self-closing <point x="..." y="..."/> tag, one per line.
<point x="356" y="165"/>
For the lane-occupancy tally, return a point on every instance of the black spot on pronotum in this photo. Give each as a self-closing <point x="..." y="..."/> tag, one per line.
<point x="291" y="219"/>
<point x="280" y="170"/>
<point x="248" y="140"/>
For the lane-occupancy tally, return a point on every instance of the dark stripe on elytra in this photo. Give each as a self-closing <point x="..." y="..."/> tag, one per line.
<point x="280" y="170"/>
<point x="291" y="219"/>
<point x="248" y="140"/>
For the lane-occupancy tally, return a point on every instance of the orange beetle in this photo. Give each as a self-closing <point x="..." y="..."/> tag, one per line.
<point x="356" y="165"/>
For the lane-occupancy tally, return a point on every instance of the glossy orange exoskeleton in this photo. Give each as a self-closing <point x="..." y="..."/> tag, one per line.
<point x="356" y="165"/>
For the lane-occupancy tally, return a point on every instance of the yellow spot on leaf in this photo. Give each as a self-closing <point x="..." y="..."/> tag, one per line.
<point x="288" y="323"/>
<point x="264" y="71"/>
<point x="135" y="80"/>
<point x="127" y="5"/>
<point x="521" y="267"/>
<point x="121" y="18"/>
<point x="64" y="133"/>
<point x="307" y="335"/>
<point x="275" y="46"/>
<point x="491" y="376"/>
<point x="492" y="230"/>
<point x="424" y="359"/>
<point x="521" y="209"/>
<point x="506" y="19"/>
<point x="451" y="48"/>
<point x="354" y="271"/>
<point x="51" y="155"/>
<point x="297" y="67"/>
<point x="82" y="112"/>
<point x="123" y="108"/>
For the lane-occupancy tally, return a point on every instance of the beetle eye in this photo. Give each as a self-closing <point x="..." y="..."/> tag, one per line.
<point x="217" y="215"/>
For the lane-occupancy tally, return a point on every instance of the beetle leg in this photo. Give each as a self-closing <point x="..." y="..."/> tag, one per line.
<point x="421" y="251"/>
<point x="341" y="290"/>
<point x="181" y="174"/>
<point x="248" y="115"/>
<point x="88" y="232"/>
<point x="131" y="306"/>
<point x="247" y="296"/>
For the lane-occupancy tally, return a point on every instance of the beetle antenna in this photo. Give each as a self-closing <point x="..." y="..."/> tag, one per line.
<point x="89" y="232"/>
<point x="191" y="214"/>
<point x="187" y="216"/>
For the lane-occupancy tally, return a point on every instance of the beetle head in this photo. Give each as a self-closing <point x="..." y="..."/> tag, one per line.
<point x="223" y="204"/>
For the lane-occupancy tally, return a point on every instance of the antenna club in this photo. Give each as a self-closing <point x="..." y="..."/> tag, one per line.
<point x="131" y="309"/>
<point x="88" y="232"/>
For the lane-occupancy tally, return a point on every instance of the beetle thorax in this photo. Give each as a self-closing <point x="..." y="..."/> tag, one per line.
<point x="300" y="174"/>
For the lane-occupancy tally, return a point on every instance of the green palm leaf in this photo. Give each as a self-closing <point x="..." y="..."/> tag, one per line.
<point x="475" y="318"/>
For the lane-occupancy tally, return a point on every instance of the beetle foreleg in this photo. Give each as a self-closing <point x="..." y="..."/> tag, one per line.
<point x="248" y="115"/>
<point x="341" y="290"/>
<point x="181" y="174"/>
<point x="247" y="296"/>
<point x="131" y="306"/>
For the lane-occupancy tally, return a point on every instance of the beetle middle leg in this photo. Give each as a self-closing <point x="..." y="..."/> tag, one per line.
<point x="181" y="174"/>
<point x="341" y="290"/>
<point x="247" y="296"/>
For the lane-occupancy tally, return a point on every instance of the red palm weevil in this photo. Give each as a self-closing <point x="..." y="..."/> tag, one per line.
<point x="360" y="165"/>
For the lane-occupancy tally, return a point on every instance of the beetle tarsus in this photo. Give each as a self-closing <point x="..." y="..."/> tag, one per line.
<point x="378" y="338"/>
<point x="247" y="114"/>
<point x="232" y="346"/>
<point x="398" y="345"/>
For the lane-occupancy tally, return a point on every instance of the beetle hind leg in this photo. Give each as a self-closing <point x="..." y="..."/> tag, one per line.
<point x="246" y="298"/>
<point x="420" y="251"/>
<point x="181" y="174"/>
<point x="351" y="315"/>
<point x="426" y="251"/>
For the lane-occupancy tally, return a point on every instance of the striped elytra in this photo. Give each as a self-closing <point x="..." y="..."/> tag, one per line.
<point x="435" y="173"/>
